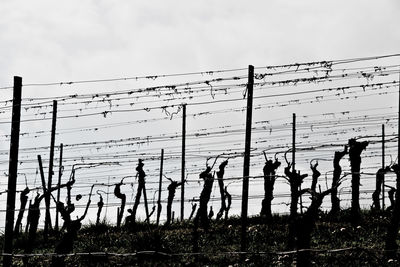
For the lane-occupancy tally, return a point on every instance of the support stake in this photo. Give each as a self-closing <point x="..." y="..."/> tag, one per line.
<point x="60" y="171"/>
<point x="246" y="166"/>
<point x="12" y="170"/>
<point x="47" y="224"/>
<point x="159" y="187"/>
<point x="183" y="162"/>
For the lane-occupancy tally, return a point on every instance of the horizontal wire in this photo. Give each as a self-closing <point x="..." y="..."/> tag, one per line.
<point x="227" y="253"/>
<point x="104" y="113"/>
<point x="342" y="89"/>
<point x="323" y="63"/>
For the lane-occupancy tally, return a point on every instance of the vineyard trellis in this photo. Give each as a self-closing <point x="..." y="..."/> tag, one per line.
<point x="336" y="92"/>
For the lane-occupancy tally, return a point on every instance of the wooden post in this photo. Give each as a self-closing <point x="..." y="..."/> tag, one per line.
<point x="391" y="245"/>
<point x="47" y="224"/>
<point x="42" y="174"/>
<point x="160" y="187"/>
<point x="60" y="170"/>
<point x="294" y="144"/>
<point x="27" y="221"/>
<point x="45" y="231"/>
<point x="246" y="166"/>
<point x="294" y="157"/>
<point x="183" y="162"/>
<point x="12" y="171"/>
<point x="383" y="166"/>
<point x="145" y="204"/>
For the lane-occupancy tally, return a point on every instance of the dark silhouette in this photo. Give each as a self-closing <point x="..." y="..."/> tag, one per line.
<point x="202" y="216"/>
<point x="229" y="198"/>
<point x="34" y="215"/>
<point x="210" y="213"/>
<point x="70" y="183"/>
<point x="315" y="175"/>
<point x="66" y="244"/>
<point x="205" y="195"/>
<point x="306" y="225"/>
<point x="380" y="175"/>
<point x="129" y="219"/>
<point x="269" y="170"/>
<point x="355" y="150"/>
<point x="195" y="234"/>
<point x="141" y="187"/>
<point x="118" y="194"/>
<point x="391" y="193"/>
<point x="295" y="179"/>
<point x="159" y="206"/>
<point x="194" y="206"/>
<point x="220" y="176"/>
<point x="28" y="217"/>
<point x="100" y="205"/>
<point x="393" y="228"/>
<point x="337" y="171"/>
<point x="32" y="222"/>
<point x="65" y="214"/>
<point x="153" y="209"/>
<point x="23" y="199"/>
<point x="70" y="206"/>
<point x="171" y="194"/>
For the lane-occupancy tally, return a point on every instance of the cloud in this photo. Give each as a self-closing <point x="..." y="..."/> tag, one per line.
<point x="76" y="39"/>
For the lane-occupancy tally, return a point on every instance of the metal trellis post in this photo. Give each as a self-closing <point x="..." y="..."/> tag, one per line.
<point x="47" y="224"/>
<point x="183" y="162"/>
<point x="12" y="170"/>
<point x="246" y="166"/>
<point x="159" y="187"/>
<point x="60" y="170"/>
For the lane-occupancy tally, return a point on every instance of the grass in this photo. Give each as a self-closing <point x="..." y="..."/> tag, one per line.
<point x="223" y="237"/>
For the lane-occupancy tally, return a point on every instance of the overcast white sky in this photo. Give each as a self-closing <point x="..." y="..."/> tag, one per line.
<point x="53" y="41"/>
<point x="69" y="40"/>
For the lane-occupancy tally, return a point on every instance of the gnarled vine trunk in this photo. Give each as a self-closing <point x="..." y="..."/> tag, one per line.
<point x="141" y="187"/>
<point x="220" y="176"/>
<point x="23" y="199"/>
<point x="337" y="171"/>
<point x="118" y="194"/>
<point x="269" y="182"/>
<point x="306" y="225"/>
<point x="355" y="150"/>
<point x="393" y="228"/>
<point x="205" y="197"/>
<point x="171" y="194"/>
<point x="295" y="180"/>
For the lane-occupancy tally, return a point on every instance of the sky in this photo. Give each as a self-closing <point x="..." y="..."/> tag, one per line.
<point x="52" y="41"/>
<point x="48" y="41"/>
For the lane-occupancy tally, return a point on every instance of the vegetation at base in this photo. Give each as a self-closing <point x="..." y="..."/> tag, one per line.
<point x="221" y="238"/>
